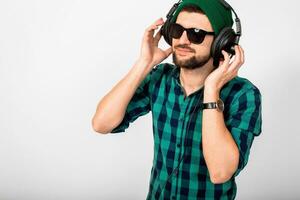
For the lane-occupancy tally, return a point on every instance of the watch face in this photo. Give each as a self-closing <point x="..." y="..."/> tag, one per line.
<point x="220" y="105"/>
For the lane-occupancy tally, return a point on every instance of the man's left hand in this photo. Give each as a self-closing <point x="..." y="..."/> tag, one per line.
<point x="226" y="71"/>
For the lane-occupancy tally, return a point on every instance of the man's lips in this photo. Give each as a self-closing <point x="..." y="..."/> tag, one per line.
<point x="183" y="51"/>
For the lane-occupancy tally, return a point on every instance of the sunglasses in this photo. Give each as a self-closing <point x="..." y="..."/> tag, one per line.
<point x="194" y="35"/>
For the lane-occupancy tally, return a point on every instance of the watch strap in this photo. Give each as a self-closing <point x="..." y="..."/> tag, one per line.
<point x="219" y="105"/>
<point x="210" y="105"/>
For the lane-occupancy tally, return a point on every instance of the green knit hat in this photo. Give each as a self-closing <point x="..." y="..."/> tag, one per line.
<point x="218" y="15"/>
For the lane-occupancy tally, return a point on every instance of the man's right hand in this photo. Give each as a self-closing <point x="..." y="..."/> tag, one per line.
<point x="108" y="115"/>
<point x="150" y="53"/>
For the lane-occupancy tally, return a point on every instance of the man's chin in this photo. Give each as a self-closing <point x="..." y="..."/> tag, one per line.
<point x="189" y="61"/>
<point x="182" y="62"/>
<point x="182" y="59"/>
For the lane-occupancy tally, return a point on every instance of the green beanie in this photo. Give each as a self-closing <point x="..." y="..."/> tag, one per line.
<point x="218" y="15"/>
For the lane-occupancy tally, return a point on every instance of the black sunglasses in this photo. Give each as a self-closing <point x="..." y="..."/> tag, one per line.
<point x="194" y="35"/>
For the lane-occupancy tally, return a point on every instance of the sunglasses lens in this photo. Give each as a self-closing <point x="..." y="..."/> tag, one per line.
<point x="195" y="35"/>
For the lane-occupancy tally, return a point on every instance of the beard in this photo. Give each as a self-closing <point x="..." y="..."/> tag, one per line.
<point x="193" y="62"/>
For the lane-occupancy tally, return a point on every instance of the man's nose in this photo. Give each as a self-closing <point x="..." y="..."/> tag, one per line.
<point x="184" y="39"/>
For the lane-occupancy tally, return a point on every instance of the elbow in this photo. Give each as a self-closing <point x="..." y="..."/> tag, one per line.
<point x="220" y="177"/>
<point x="224" y="172"/>
<point x="97" y="127"/>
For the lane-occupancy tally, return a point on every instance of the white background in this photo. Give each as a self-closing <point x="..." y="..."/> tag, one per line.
<point x="58" y="58"/>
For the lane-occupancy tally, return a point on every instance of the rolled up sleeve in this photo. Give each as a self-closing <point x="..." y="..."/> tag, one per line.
<point x="244" y="123"/>
<point x="139" y="105"/>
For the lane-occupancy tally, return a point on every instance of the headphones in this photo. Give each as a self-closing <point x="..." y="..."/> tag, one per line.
<point x="225" y="40"/>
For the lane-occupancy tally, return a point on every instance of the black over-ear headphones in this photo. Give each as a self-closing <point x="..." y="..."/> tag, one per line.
<point x="225" y="40"/>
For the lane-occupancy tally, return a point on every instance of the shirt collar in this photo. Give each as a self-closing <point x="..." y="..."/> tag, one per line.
<point x="175" y="72"/>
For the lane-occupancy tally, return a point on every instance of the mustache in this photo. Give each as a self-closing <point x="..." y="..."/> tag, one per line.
<point x="185" y="47"/>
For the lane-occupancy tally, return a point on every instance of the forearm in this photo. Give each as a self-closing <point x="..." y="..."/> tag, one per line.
<point x="111" y="108"/>
<point x="219" y="148"/>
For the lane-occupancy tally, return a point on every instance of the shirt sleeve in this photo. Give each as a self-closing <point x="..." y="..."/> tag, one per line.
<point x="244" y="123"/>
<point x="139" y="105"/>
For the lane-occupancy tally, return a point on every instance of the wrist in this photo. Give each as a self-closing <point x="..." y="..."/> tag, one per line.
<point x="143" y="61"/>
<point x="210" y="95"/>
<point x="142" y="65"/>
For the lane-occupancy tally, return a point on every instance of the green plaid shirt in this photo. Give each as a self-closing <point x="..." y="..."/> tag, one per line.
<point x="161" y="93"/>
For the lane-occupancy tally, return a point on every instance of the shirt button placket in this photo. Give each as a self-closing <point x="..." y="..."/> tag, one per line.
<point x="181" y="119"/>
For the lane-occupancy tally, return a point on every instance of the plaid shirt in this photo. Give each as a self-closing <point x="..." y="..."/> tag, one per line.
<point x="162" y="93"/>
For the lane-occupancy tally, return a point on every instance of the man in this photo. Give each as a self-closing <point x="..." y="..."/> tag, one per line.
<point x="197" y="152"/>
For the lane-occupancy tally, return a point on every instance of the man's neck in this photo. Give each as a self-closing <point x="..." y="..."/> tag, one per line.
<point x="192" y="80"/>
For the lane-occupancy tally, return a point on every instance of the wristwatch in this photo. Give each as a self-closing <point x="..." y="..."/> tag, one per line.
<point x="219" y="105"/>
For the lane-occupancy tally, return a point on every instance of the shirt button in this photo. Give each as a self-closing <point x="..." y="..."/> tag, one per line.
<point x="173" y="197"/>
<point x="178" y="145"/>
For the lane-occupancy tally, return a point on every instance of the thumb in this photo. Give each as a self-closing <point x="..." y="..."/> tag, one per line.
<point x="168" y="51"/>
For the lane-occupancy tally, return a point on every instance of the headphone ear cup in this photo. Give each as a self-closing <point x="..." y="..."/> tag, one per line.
<point x="224" y="41"/>
<point x="165" y="31"/>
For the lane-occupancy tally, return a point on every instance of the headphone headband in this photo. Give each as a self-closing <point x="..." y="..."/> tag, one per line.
<point x="237" y="21"/>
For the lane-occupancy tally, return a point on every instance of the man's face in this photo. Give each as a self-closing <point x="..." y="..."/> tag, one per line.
<point x="189" y="55"/>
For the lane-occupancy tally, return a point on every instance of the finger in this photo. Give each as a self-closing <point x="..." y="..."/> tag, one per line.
<point x="221" y="62"/>
<point x="157" y="38"/>
<point x="151" y="29"/>
<point x="242" y="55"/>
<point x="159" y="21"/>
<point x="225" y="62"/>
<point x="168" y="51"/>
<point x="236" y="70"/>
<point x="237" y="59"/>
<point x="148" y="35"/>
<point x="155" y="25"/>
